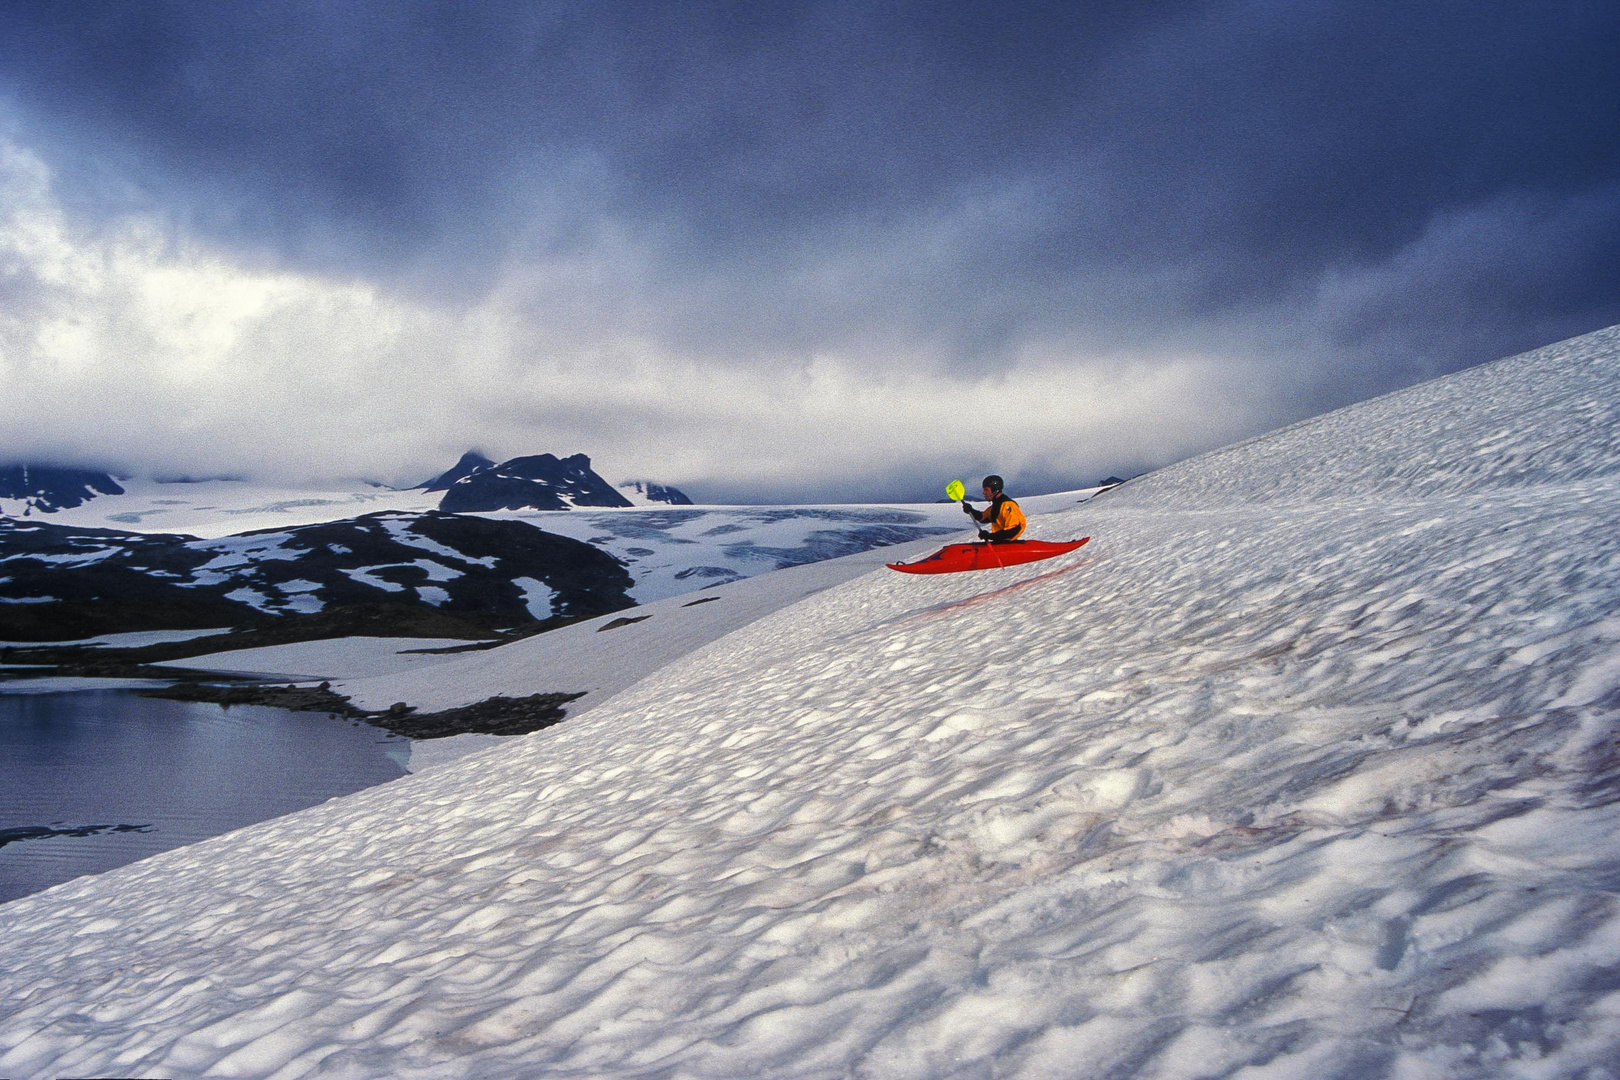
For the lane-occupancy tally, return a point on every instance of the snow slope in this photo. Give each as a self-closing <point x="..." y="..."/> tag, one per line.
<point x="1321" y="782"/>
<point x="328" y="658"/>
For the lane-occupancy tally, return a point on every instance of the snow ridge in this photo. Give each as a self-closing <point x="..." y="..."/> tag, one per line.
<point x="1452" y="435"/>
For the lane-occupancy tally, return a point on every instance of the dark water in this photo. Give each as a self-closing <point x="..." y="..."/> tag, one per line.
<point x="94" y="779"/>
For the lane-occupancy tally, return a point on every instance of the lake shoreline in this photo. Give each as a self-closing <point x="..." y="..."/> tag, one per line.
<point x="492" y="716"/>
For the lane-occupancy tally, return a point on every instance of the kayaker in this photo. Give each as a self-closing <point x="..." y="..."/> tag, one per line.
<point x="1005" y="520"/>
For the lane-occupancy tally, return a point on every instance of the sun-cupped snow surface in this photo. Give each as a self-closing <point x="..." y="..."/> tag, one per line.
<point x="1319" y="786"/>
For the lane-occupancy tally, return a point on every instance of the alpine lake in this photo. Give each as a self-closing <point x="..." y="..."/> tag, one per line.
<point x="93" y="779"/>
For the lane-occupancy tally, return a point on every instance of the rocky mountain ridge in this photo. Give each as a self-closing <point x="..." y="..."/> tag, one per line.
<point x="539" y="482"/>
<point x="48" y="488"/>
<point x="651" y="491"/>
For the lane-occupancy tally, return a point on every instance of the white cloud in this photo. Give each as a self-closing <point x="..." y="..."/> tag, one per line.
<point x="129" y="344"/>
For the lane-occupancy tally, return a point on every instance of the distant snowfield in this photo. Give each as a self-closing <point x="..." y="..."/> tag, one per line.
<point x="677" y="550"/>
<point x="132" y="640"/>
<point x="57" y="684"/>
<point x="1306" y="766"/>
<point x="210" y="509"/>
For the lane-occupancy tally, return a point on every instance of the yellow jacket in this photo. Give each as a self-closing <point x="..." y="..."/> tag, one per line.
<point x="1005" y="519"/>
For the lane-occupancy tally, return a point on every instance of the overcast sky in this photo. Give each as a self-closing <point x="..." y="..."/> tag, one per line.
<point x="779" y="251"/>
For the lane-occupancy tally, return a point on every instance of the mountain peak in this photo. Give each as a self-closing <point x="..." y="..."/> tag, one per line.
<point x="470" y="462"/>
<point x="536" y="482"/>
<point x="643" y="492"/>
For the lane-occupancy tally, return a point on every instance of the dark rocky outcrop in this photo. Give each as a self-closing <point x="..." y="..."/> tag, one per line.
<point x="492" y="716"/>
<point x="541" y="482"/>
<point x="653" y="491"/>
<point x="48" y="488"/>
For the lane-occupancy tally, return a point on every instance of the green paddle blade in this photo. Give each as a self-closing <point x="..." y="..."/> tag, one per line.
<point x="954" y="491"/>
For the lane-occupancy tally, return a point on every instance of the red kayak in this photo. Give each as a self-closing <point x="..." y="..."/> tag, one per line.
<point x="955" y="558"/>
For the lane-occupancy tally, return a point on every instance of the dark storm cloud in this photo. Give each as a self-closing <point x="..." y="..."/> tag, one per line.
<point x="1360" y="194"/>
<point x="414" y="124"/>
<point x="1275" y="132"/>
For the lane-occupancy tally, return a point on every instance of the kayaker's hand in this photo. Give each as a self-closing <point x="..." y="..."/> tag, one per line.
<point x="984" y="536"/>
<point x="966" y="509"/>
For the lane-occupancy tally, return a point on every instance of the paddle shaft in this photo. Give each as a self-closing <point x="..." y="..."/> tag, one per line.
<point x="994" y="554"/>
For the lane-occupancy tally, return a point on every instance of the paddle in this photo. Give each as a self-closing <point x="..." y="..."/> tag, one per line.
<point x="956" y="491"/>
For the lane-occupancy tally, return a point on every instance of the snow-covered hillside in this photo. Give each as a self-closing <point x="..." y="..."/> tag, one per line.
<point x="669" y="550"/>
<point x="500" y="569"/>
<point x="1306" y="766"/>
<point x="58" y="580"/>
<point x="84" y="555"/>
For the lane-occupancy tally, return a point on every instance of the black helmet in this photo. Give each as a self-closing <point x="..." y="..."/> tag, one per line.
<point x="993" y="482"/>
